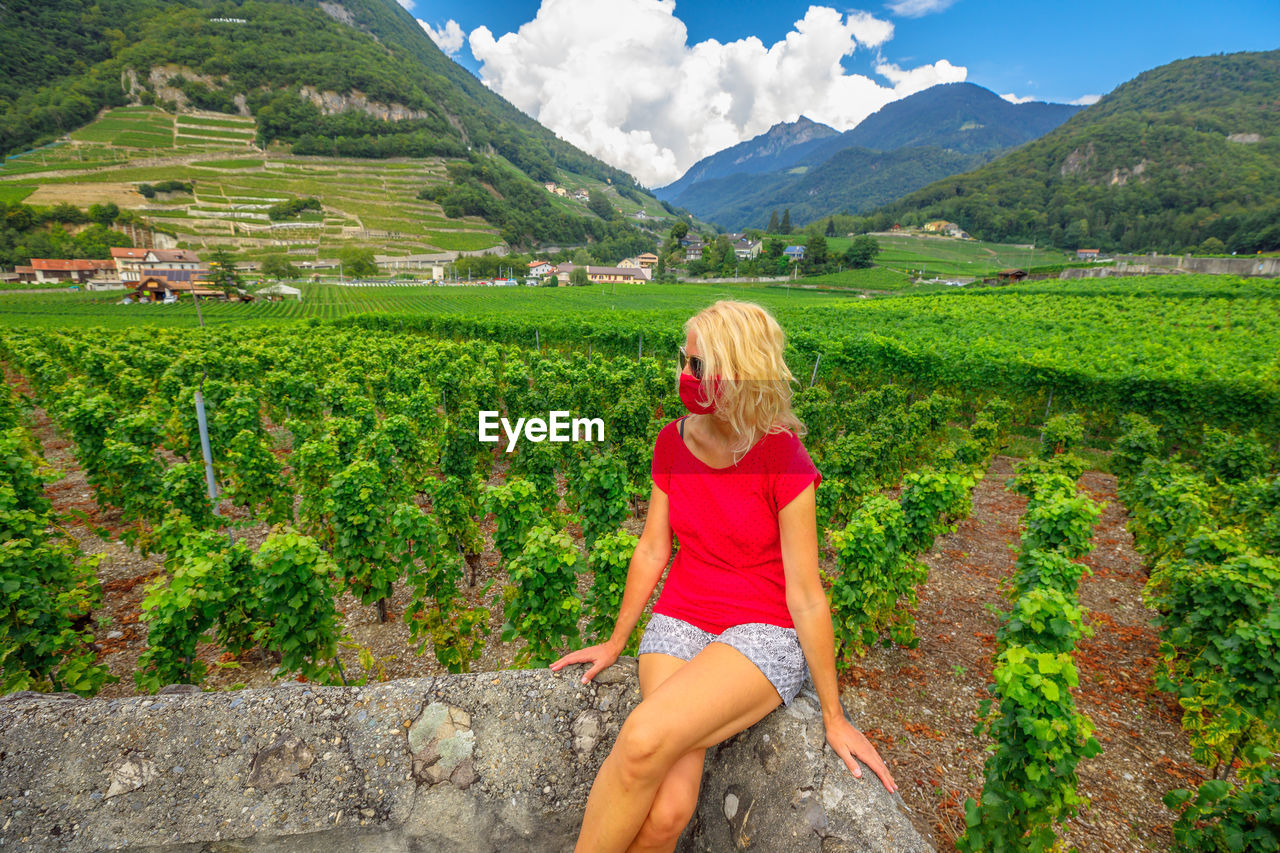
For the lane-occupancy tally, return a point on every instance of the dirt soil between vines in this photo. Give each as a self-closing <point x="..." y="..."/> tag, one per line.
<point x="919" y="706"/>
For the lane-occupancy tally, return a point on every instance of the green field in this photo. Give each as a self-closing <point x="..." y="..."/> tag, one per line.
<point x="331" y="301"/>
<point x="14" y="193"/>
<point x="200" y="121"/>
<point x="944" y="257"/>
<point x="189" y="130"/>
<point x="876" y="278"/>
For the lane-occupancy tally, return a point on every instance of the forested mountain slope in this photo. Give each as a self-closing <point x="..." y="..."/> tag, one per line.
<point x="1185" y="156"/>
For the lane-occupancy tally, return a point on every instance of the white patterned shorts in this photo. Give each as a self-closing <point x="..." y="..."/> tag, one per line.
<point x="772" y="648"/>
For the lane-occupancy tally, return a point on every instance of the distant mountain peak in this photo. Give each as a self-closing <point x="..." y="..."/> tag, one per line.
<point x="778" y="147"/>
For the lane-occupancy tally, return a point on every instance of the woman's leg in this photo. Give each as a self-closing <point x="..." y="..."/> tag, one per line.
<point x="677" y="796"/>
<point x="717" y="694"/>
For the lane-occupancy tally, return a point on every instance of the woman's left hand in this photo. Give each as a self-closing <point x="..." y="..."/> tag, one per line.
<point x="851" y="744"/>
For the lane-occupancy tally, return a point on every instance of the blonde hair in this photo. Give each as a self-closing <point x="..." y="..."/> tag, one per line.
<point x="742" y="344"/>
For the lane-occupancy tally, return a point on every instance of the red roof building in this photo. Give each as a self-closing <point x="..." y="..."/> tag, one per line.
<point x="57" y="269"/>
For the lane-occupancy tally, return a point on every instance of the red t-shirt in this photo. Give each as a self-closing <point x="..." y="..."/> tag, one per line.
<point x="728" y="569"/>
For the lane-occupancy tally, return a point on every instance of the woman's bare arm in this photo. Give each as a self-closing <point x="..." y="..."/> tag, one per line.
<point x="807" y="604"/>
<point x="650" y="559"/>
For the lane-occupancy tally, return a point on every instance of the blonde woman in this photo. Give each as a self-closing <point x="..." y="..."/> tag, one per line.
<point x="742" y="618"/>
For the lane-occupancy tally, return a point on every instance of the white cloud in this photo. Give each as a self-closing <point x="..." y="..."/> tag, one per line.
<point x="1086" y="100"/>
<point x="1019" y="99"/>
<point x="408" y="4"/>
<point x="917" y="8"/>
<point x="448" y="38"/>
<point x="621" y="81"/>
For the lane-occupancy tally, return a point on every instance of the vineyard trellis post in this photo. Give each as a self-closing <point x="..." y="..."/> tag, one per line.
<point x="203" y="424"/>
<point x="814" y="376"/>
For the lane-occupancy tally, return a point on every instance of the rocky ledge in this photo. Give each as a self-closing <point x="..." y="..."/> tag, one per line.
<point x="494" y="761"/>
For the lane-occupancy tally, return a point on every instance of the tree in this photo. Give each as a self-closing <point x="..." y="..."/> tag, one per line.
<point x="599" y="204"/>
<point x="773" y="248"/>
<point x="815" y="253"/>
<point x="578" y="277"/>
<point x="785" y="226"/>
<point x="831" y="227"/>
<point x="551" y="280"/>
<point x="277" y="267"/>
<point x="358" y="262"/>
<point x="679" y="230"/>
<point x="104" y="214"/>
<point x="861" y="252"/>
<point x="581" y="258"/>
<point x="773" y="222"/>
<point x="222" y="271"/>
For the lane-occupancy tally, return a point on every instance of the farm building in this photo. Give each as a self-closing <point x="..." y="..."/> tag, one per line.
<point x="157" y="287"/>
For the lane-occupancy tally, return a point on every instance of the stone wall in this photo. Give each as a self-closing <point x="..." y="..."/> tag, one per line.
<point x="497" y="761"/>
<point x="1246" y="266"/>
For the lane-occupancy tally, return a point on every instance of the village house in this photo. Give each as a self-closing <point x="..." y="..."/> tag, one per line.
<point x="794" y="253"/>
<point x="1086" y="254"/>
<point x="634" y="264"/>
<point x="598" y="275"/>
<point x="647" y="260"/>
<point x="746" y="250"/>
<point x="942" y="226"/>
<point x="178" y="259"/>
<point x="128" y="262"/>
<point x="77" y="271"/>
<point x="541" y="268"/>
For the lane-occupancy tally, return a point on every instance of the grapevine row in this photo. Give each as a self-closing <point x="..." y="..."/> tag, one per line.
<point x="1208" y="524"/>
<point x="1030" y="779"/>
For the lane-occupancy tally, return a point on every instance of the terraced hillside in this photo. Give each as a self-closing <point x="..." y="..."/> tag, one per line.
<point x="369" y="203"/>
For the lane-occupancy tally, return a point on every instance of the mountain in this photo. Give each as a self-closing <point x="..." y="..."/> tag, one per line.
<point x="61" y="61"/>
<point x="333" y="78"/>
<point x="960" y="117"/>
<point x="1183" y="156"/>
<point x="780" y="147"/>
<point x="941" y="131"/>
<point x="854" y="179"/>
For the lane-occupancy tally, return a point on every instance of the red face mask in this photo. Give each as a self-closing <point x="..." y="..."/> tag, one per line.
<point x="691" y="394"/>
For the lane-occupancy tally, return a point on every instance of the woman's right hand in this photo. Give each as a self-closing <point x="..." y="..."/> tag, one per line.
<point x="599" y="656"/>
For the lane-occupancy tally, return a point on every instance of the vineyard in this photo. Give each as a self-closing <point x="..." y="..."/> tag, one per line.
<point x="361" y="532"/>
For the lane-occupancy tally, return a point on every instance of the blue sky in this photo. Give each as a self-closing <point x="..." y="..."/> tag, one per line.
<point x="1045" y="51"/>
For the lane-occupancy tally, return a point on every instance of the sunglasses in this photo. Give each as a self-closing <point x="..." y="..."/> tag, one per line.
<point x="694" y="362"/>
